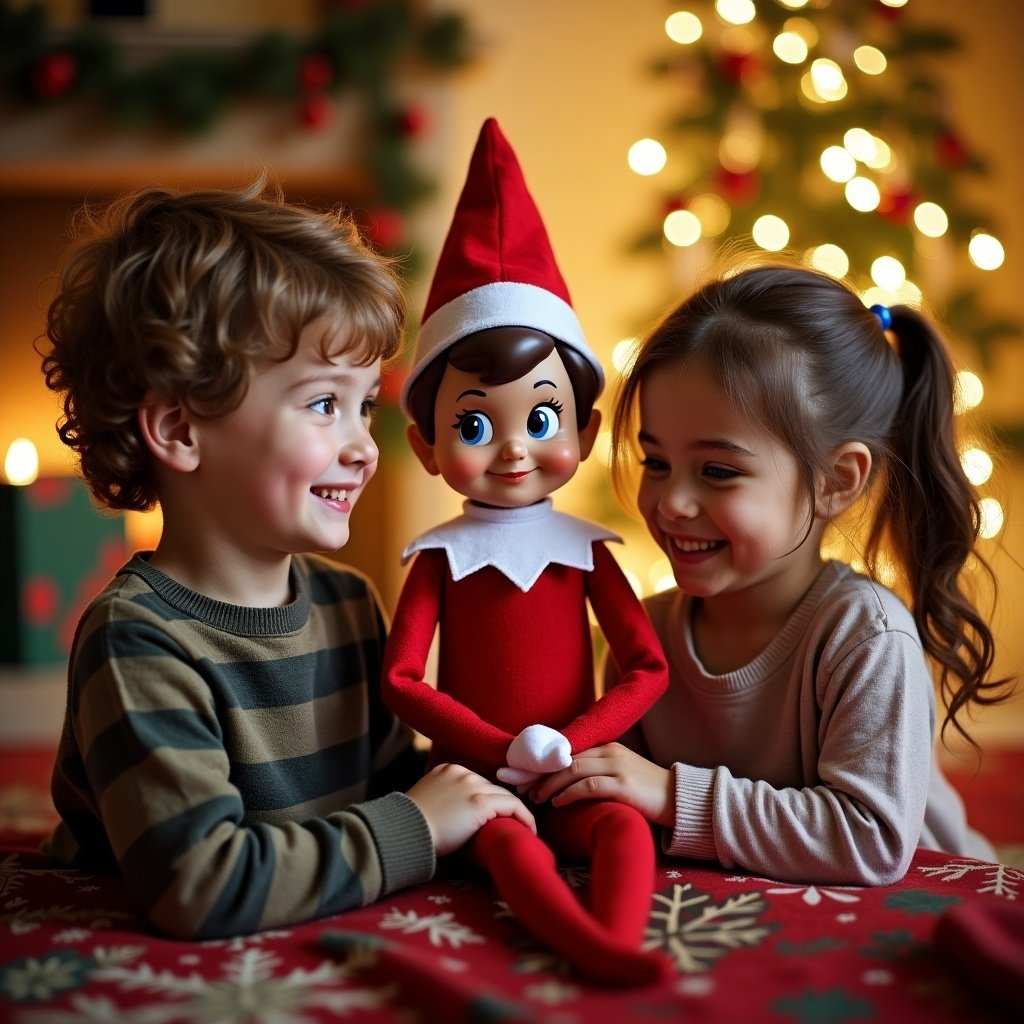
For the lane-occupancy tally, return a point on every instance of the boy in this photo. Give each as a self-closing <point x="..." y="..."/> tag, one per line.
<point x="225" y="746"/>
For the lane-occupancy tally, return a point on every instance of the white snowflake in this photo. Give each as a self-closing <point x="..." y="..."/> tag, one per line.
<point x="877" y="976"/>
<point x="695" y="932"/>
<point x="812" y="894"/>
<point x="695" y="985"/>
<point x="248" y="992"/>
<point x="551" y="992"/>
<point x="71" y="935"/>
<point x="440" y="899"/>
<point x="998" y="879"/>
<point x="440" y="928"/>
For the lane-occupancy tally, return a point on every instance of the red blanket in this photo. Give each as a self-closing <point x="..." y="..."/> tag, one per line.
<point x="945" y="944"/>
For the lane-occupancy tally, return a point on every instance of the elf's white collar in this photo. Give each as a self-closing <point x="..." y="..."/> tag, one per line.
<point x="519" y="542"/>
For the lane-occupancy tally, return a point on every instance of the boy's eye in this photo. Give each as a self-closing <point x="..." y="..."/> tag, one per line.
<point x="474" y="428"/>
<point x="368" y="408"/>
<point x="543" y="423"/>
<point x="324" y="406"/>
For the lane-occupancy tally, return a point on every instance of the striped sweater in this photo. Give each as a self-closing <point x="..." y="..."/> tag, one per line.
<point x="236" y="764"/>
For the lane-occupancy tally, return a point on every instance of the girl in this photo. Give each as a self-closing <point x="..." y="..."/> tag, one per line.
<point x="796" y="737"/>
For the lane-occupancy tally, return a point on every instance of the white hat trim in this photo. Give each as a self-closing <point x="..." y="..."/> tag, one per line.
<point x="498" y="304"/>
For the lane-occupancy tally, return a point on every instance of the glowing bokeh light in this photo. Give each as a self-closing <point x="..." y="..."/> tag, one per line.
<point x="977" y="465"/>
<point x="986" y="251"/>
<point x="931" y="220"/>
<point x="830" y="259"/>
<point x="21" y="464"/>
<point x="647" y="157"/>
<point x="968" y="392"/>
<point x="682" y="228"/>
<point x="771" y="232"/>
<point x="683" y="27"/>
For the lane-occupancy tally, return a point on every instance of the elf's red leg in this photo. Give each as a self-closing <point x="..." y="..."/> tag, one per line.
<point x="523" y="870"/>
<point x="617" y="841"/>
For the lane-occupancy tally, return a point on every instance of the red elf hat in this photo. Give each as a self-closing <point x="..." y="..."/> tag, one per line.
<point x="497" y="267"/>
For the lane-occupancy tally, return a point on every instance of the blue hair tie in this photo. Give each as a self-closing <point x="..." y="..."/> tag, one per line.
<point x="884" y="315"/>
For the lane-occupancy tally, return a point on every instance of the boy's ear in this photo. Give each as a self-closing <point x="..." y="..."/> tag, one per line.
<point x="423" y="449"/>
<point x="851" y="467"/>
<point x="588" y="435"/>
<point x="166" y="428"/>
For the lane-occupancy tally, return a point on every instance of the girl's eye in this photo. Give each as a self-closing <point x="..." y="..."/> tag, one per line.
<point x="474" y="428"/>
<point x="324" y="406"/>
<point x="720" y="472"/>
<point x="543" y="423"/>
<point x="653" y="465"/>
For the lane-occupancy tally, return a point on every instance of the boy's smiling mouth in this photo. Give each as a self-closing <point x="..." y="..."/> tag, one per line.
<point x="332" y="493"/>
<point x="514" y="477"/>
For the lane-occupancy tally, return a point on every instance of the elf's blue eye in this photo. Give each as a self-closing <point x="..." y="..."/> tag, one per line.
<point x="542" y="423"/>
<point x="475" y="428"/>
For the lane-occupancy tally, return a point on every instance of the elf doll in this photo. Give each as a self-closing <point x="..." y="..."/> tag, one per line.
<point x="501" y="398"/>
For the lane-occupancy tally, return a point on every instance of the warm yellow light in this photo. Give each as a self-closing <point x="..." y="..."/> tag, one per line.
<point x="861" y="143"/>
<point x="713" y="212"/>
<point x="883" y="158"/>
<point x="887" y="272"/>
<point x="991" y="518"/>
<point x="869" y="59"/>
<point x="739" y="151"/>
<point x="838" y="164"/>
<point x="624" y="353"/>
<point x="794" y="5"/>
<point x="790" y="48"/>
<point x="736" y="12"/>
<point x="827" y="77"/>
<point x="21" y="464"/>
<point x="771" y="232"/>
<point x="908" y="294"/>
<point x="647" y="156"/>
<point x="603" y="448"/>
<point x="986" y="251"/>
<point x="968" y="392"/>
<point x="931" y="220"/>
<point x="862" y="194"/>
<point x="830" y="259"/>
<point x="663" y="583"/>
<point x="977" y="465"/>
<point x="894" y="3"/>
<point x="875" y="296"/>
<point x="803" y="28"/>
<point x="682" y="228"/>
<point x="659" y="569"/>
<point x="683" y="27"/>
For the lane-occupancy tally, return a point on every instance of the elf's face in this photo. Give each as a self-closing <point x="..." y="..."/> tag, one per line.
<point x="507" y="445"/>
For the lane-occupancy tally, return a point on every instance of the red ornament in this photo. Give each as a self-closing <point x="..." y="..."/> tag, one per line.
<point x="739" y="187"/>
<point x="391" y="382"/>
<point x="384" y="227"/>
<point x="950" y="150"/>
<point x="54" y="75"/>
<point x="40" y="597"/>
<point x="316" y="111"/>
<point x="411" y="121"/>
<point x="316" y="72"/>
<point x="737" y="67"/>
<point x="896" y="207"/>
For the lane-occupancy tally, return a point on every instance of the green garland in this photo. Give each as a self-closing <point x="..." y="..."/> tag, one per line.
<point x="358" y="47"/>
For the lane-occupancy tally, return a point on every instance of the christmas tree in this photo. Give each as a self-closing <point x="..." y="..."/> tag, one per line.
<point x="822" y="128"/>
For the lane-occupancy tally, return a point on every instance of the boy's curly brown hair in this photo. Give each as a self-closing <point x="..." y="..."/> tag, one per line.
<point x="183" y="295"/>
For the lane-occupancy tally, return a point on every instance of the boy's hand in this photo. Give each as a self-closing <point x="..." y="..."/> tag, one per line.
<point x="612" y="772"/>
<point x="457" y="802"/>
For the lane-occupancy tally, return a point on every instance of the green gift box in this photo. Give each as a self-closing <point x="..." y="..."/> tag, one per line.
<point x="57" y="551"/>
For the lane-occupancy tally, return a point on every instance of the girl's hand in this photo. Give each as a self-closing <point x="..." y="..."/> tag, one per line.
<point x="613" y="772"/>
<point x="457" y="803"/>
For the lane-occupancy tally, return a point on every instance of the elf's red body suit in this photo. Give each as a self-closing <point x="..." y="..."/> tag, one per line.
<point x="511" y="658"/>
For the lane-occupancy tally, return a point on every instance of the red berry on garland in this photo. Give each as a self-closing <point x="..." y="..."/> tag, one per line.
<point x="897" y="206"/>
<point x="411" y="121"/>
<point x="54" y="75"/>
<point x="316" y="72"/>
<point x="950" y="150"/>
<point x="737" y="186"/>
<point x="384" y="227"/>
<point x="316" y="111"/>
<point x="737" y="67"/>
<point x="671" y="204"/>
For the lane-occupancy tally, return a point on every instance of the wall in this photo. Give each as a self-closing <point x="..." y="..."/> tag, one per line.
<point x="567" y="81"/>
